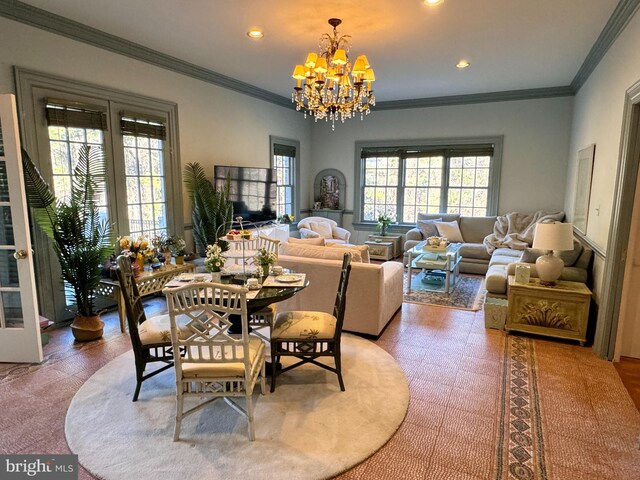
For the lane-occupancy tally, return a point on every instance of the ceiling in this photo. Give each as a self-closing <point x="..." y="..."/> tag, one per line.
<point x="511" y="44"/>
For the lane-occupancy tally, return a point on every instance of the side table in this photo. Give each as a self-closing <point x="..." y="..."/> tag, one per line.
<point x="395" y="239"/>
<point x="148" y="283"/>
<point x="380" y="250"/>
<point x="560" y="311"/>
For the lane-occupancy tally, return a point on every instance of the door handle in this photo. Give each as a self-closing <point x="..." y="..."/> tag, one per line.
<point x="20" y="255"/>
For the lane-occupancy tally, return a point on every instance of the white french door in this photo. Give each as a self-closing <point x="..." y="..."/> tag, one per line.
<point x="19" y="321"/>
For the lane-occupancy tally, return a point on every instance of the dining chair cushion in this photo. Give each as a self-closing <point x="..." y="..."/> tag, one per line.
<point x="322" y="228"/>
<point x="157" y="329"/>
<point x="220" y="370"/>
<point x="300" y="324"/>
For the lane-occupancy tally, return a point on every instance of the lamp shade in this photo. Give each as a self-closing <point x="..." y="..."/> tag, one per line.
<point x="339" y="57"/>
<point x="298" y="72"/>
<point x="311" y="60"/>
<point x="321" y="65"/>
<point x="553" y="236"/>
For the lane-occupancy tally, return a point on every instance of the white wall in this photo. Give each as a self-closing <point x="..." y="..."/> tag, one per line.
<point x="216" y="125"/>
<point x="597" y="118"/>
<point x="536" y="143"/>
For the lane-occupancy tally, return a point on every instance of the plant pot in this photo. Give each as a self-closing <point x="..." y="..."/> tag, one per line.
<point x="180" y="260"/>
<point x="140" y="262"/>
<point x="85" y="329"/>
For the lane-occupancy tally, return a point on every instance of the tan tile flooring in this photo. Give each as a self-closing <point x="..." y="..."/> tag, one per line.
<point x="452" y="363"/>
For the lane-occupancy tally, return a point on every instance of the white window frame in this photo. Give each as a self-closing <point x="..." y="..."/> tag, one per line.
<point x="436" y="145"/>
<point x="295" y="174"/>
<point x="32" y="89"/>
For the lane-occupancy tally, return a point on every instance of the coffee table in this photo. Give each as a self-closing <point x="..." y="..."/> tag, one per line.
<point x="427" y="261"/>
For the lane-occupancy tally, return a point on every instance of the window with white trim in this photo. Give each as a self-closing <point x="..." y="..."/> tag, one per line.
<point x="284" y="159"/>
<point x="403" y="182"/>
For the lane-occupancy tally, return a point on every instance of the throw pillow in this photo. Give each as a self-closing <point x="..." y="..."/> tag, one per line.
<point x="362" y="250"/>
<point x="313" y="251"/>
<point x="530" y="255"/>
<point x="318" y="241"/>
<point x="570" y="257"/>
<point x="427" y="227"/>
<point x="321" y="228"/>
<point x="450" y="230"/>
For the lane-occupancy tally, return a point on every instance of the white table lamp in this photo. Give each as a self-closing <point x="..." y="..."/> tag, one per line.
<point x="549" y="237"/>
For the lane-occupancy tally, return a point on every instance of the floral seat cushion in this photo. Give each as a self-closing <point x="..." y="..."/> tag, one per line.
<point x="224" y="369"/>
<point x="300" y="325"/>
<point x="157" y="329"/>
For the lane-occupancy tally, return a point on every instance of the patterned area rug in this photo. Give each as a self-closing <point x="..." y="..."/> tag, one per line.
<point x="520" y="444"/>
<point x="468" y="294"/>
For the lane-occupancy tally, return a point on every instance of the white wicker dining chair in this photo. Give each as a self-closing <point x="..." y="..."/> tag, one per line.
<point x="214" y="363"/>
<point x="264" y="317"/>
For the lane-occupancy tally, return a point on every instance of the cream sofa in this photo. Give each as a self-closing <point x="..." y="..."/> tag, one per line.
<point x="501" y="263"/>
<point x="374" y="293"/>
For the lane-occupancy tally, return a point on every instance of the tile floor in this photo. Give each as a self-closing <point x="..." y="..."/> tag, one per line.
<point x="453" y="365"/>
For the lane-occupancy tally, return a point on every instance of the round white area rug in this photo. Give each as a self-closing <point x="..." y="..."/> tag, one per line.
<point x="306" y="429"/>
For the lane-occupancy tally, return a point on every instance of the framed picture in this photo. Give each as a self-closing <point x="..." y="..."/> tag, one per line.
<point x="583" y="188"/>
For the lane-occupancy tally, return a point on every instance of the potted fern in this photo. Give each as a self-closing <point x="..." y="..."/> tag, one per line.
<point x="212" y="210"/>
<point x="80" y="239"/>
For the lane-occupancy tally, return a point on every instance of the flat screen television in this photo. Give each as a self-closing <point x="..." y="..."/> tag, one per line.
<point x="252" y="191"/>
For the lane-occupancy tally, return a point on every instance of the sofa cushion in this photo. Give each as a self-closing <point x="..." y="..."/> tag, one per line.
<point x="474" y="250"/>
<point x="322" y="228"/>
<point x="474" y="229"/>
<point x="570" y="257"/>
<point x="530" y="255"/>
<point x="313" y="251"/>
<point x="505" y="256"/>
<point x="427" y="227"/>
<point x="446" y="217"/>
<point x="450" y="230"/>
<point x="496" y="279"/>
<point x="362" y="250"/>
<point x="318" y="241"/>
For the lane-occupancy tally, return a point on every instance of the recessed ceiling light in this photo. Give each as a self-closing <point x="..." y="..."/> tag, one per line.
<point x="432" y="2"/>
<point x="462" y="64"/>
<point x="255" y="33"/>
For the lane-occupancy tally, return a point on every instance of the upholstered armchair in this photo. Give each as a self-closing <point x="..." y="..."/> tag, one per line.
<point x="315" y="227"/>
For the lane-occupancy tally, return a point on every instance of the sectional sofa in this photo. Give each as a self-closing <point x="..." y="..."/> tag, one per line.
<point x="501" y="263"/>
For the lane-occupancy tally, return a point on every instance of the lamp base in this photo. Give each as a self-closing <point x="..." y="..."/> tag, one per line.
<point x="549" y="269"/>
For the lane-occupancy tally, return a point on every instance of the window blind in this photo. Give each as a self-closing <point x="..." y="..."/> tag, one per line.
<point x="62" y="113"/>
<point x="143" y="125"/>
<point x="284" y="150"/>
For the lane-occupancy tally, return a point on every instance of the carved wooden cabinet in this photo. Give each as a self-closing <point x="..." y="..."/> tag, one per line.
<point x="561" y="311"/>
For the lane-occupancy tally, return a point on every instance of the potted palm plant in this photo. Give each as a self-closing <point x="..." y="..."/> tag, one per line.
<point x="80" y="238"/>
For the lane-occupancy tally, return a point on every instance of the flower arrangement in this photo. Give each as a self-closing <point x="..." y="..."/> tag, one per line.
<point x="178" y="246"/>
<point x="286" y="218"/>
<point x="265" y="259"/>
<point x="214" y="261"/>
<point x="384" y="221"/>
<point x="133" y="248"/>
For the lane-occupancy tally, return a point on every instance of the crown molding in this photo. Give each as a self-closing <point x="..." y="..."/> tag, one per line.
<point x="619" y="19"/>
<point x="506" y="96"/>
<point x="36" y="17"/>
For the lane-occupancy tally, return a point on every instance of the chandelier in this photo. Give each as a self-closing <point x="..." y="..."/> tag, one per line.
<point x="334" y="88"/>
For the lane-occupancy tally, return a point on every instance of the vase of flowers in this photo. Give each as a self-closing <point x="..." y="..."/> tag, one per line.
<point x="214" y="261"/>
<point x="265" y="259"/>
<point x="135" y="249"/>
<point x="178" y="249"/>
<point x="384" y="221"/>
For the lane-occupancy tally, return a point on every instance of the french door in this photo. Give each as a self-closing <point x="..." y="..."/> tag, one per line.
<point x="19" y="321"/>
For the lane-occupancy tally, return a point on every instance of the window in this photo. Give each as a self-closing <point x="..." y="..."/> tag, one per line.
<point x="284" y="160"/>
<point x="407" y="180"/>
<point x="143" y="192"/>
<point x="144" y="172"/>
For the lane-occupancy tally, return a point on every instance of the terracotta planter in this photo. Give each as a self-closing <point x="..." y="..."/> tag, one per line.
<point x="85" y="329"/>
<point x="180" y="260"/>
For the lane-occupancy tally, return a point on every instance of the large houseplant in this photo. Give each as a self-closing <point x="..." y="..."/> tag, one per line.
<point x="212" y="210"/>
<point x="80" y="239"/>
